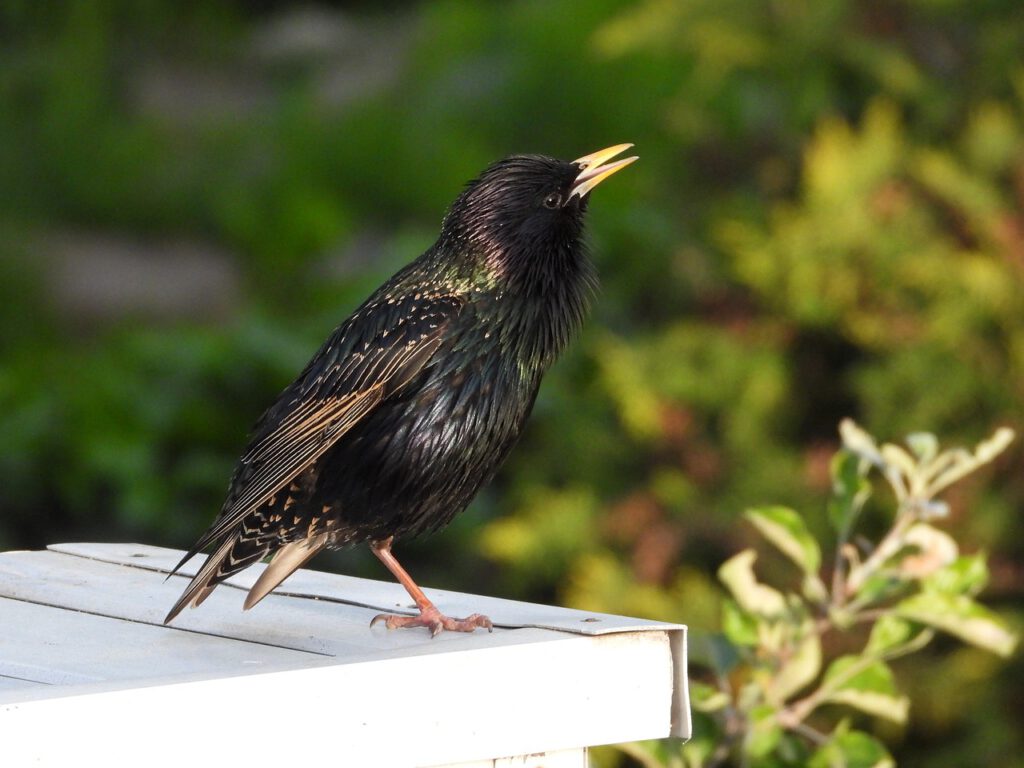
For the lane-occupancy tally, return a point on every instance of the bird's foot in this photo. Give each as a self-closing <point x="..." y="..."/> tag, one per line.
<point x="435" y="621"/>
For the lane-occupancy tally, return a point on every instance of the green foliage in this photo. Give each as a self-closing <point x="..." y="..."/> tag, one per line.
<point x="765" y="708"/>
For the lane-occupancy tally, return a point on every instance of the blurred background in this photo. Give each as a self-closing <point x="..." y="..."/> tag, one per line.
<point x="827" y="220"/>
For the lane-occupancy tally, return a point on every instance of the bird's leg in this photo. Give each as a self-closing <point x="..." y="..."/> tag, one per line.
<point x="429" y="616"/>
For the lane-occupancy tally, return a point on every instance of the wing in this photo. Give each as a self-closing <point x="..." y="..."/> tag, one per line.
<point x="381" y="347"/>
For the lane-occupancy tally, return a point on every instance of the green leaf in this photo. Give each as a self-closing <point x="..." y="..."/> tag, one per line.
<point x="738" y="626"/>
<point x="889" y="632"/>
<point x="737" y="573"/>
<point x="961" y="616"/>
<point x="850" y="491"/>
<point x="707" y="698"/>
<point x="763" y="733"/>
<point x="786" y="529"/>
<point x="892" y="636"/>
<point x="802" y="667"/>
<point x="865" y="685"/>
<point x="967" y="575"/>
<point x="879" y="586"/>
<point x="856" y="440"/>
<point x="852" y="749"/>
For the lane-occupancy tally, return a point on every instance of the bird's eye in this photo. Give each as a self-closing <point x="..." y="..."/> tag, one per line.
<point x="554" y="200"/>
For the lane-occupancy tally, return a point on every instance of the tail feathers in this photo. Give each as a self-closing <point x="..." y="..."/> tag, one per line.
<point x="229" y="558"/>
<point x="288" y="559"/>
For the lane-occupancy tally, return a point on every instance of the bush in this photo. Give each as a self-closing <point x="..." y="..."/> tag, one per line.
<point x="883" y="601"/>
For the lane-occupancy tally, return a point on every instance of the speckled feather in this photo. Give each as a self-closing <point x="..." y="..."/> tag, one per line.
<point x="413" y="402"/>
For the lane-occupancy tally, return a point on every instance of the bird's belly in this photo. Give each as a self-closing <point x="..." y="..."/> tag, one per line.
<point x="419" y="459"/>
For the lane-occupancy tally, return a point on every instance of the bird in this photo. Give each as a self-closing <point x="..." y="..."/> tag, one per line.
<point x="414" y="401"/>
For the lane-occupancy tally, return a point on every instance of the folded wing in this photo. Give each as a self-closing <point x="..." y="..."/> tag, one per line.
<point x="378" y="350"/>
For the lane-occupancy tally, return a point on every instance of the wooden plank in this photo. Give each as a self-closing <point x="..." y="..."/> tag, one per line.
<point x="143" y="596"/>
<point x="430" y="710"/>
<point x="377" y="595"/>
<point x="451" y="698"/>
<point x="63" y="648"/>
<point x="90" y="581"/>
<point x="16" y="684"/>
<point x="387" y="596"/>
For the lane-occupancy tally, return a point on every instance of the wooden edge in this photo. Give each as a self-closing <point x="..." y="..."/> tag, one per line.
<point x="682" y="726"/>
<point x="452" y="708"/>
<point x="390" y="597"/>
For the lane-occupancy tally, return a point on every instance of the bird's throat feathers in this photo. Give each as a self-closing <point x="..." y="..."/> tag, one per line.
<point x="542" y="306"/>
<point x="530" y="302"/>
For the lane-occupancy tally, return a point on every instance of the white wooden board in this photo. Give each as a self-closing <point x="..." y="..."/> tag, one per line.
<point x="425" y="710"/>
<point x="571" y="758"/>
<point x="304" y="677"/>
<point x="62" y="648"/>
<point x="377" y="595"/>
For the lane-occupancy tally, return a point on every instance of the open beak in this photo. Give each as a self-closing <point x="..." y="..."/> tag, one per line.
<point x="593" y="172"/>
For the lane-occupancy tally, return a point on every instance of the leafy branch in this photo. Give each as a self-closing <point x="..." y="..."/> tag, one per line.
<point x="771" y="678"/>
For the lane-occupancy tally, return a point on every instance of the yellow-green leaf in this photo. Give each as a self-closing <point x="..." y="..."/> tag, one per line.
<point x="852" y="749"/>
<point x="865" y="685"/>
<point x="706" y="698"/>
<point x="967" y="574"/>
<point x="889" y="632"/>
<point x="959" y="615"/>
<point x="786" y="529"/>
<point x="739" y="626"/>
<point x="850" y="490"/>
<point x="764" y="732"/>
<point x="857" y="441"/>
<point x="802" y="667"/>
<point x="737" y="573"/>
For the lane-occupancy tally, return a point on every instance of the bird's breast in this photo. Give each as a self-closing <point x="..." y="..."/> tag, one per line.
<point x="419" y="458"/>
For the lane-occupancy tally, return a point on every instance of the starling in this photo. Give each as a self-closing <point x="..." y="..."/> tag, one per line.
<point x="414" y="401"/>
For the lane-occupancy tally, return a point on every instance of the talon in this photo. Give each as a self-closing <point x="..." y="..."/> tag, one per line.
<point x="435" y="621"/>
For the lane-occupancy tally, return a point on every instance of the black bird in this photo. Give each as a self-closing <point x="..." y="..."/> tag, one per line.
<point x="413" y="402"/>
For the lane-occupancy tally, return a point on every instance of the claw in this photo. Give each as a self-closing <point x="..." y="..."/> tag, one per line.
<point x="435" y="621"/>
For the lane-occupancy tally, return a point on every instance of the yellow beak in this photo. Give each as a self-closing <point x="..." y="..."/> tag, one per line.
<point x="592" y="172"/>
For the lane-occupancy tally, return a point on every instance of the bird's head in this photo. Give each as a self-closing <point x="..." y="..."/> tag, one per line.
<point x="523" y="216"/>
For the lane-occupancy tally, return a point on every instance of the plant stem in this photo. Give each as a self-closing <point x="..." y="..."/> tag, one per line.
<point x="812" y="734"/>
<point x="886" y="548"/>
<point x="794" y="715"/>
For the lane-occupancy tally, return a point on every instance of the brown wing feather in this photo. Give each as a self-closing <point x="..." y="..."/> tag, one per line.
<point x="344" y="382"/>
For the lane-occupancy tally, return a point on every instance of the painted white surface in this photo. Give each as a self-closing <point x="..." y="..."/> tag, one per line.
<point x="379" y="595"/>
<point x="572" y="758"/>
<point x="87" y="669"/>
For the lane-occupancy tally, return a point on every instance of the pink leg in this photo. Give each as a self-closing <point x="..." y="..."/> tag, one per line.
<point x="429" y="616"/>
